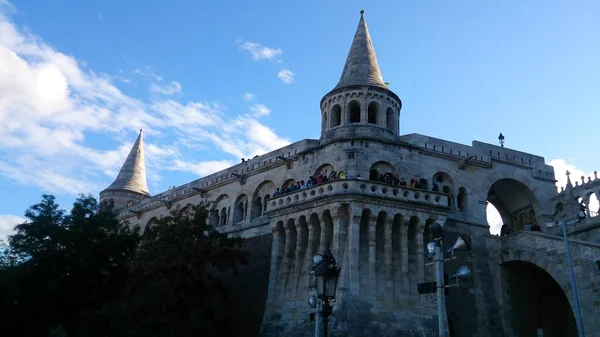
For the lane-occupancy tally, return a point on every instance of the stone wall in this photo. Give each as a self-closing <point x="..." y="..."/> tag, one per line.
<point x="248" y="288"/>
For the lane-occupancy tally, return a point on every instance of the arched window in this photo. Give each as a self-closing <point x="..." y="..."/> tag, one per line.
<point x="390" y="119"/>
<point x="461" y="199"/>
<point x="324" y="124"/>
<point x="372" y="111"/>
<point x="239" y="210"/>
<point x="223" y="217"/>
<point x="354" y="112"/>
<point x="336" y="115"/>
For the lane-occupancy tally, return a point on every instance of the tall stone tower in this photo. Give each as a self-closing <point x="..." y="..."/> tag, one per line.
<point x="130" y="186"/>
<point x="361" y="103"/>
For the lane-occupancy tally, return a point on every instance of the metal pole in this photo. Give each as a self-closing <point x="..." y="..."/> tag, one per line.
<point x="439" y="268"/>
<point x="318" y="320"/>
<point x="325" y="312"/>
<point x="573" y="284"/>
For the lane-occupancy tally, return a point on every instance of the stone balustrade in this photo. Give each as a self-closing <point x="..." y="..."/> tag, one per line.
<point x="359" y="187"/>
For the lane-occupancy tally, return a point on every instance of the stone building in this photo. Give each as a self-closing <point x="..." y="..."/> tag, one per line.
<point x="374" y="192"/>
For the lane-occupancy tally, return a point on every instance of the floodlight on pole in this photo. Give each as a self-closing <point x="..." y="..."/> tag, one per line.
<point x="459" y="245"/>
<point x="463" y="273"/>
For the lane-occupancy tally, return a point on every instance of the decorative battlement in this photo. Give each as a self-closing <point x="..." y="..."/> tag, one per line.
<point x="360" y="188"/>
<point x="585" y="187"/>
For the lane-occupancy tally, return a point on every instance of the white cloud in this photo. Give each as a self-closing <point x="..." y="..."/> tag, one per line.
<point x="168" y="89"/>
<point x="248" y="97"/>
<point x="560" y="173"/>
<point x="260" y="110"/>
<point x="8" y="223"/>
<point x="148" y="73"/>
<point x="202" y="168"/>
<point x="50" y="105"/>
<point x="286" y="76"/>
<point x="259" y="52"/>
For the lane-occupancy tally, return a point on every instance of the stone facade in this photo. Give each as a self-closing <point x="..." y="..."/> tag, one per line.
<point x="378" y="229"/>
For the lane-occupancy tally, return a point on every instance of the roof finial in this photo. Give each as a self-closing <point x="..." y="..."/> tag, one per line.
<point x="362" y="11"/>
<point x="140" y="131"/>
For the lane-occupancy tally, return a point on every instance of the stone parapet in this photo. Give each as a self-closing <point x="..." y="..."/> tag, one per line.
<point x="359" y="187"/>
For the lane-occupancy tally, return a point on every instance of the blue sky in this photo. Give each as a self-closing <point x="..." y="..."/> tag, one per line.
<point x="213" y="82"/>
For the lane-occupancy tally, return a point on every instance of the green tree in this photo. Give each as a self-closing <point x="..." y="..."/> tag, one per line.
<point x="65" y="266"/>
<point x="174" y="288"/>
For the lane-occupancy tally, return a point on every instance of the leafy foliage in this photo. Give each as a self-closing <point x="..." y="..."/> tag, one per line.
<point x="173" y="288"/>
<point x="60" y="266"/>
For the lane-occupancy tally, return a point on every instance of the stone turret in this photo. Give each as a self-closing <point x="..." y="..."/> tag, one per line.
<point x="130" y="185"/>
<point x="361" y="103"/>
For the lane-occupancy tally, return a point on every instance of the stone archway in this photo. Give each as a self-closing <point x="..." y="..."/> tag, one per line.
<point x="536" y="302"/>
<point x="515" y="202"/>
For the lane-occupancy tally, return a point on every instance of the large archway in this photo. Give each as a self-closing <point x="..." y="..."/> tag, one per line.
<point x="535" y="302"/>
<point x="516" y="204"/>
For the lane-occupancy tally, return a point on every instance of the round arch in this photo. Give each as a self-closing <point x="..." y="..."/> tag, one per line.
<point x="261" y="194"/>
<point x="335" y="117"/>
<point x="373" y="112"/>
<point x="442" y="182"/>
<point x="390" y="119"/>
<point x="382" y="168"/>
<point x="536" y="300"/>
<point x="354" y="111"/>
<point x="239" y="208"/>
<point x="516" y="203"/>
<point x="149" y="224"/>
<point x="221" y="201"/>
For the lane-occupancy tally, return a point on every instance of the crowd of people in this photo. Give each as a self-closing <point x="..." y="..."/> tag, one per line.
<point x="313" y="180"/>
<point x="325" y="176"/>
<point x="392" y="178"/>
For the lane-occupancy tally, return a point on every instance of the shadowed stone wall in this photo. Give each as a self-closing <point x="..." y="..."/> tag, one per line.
<point x="248" y="288"/>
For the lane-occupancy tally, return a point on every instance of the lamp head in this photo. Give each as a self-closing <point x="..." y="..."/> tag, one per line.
<point x="460" y="244"/>
<point x="430" y="249"/>
<point x="312" y="301"/>
<point x="463" y="273"/>
<point x="501" y="139"/>
<point x="437" y="230"/>
<point x="317" y="259"/>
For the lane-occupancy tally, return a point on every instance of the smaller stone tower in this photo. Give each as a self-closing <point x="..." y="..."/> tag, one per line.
<point x="361" y="103"/>
<point x="130" y="186"/>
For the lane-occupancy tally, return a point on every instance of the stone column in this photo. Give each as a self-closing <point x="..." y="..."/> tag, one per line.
<point x="364" y="113"/>
<point x="419" y="252"/>
<point x="372" y="232"/>
<point x="324" y="237"/>
<point x="275" y="259"/>
<point x="586" y="201"/>
<point x="339" y="247"/>
<point x="288" y="258"/>
<point x="300" y="253"/>
<point x="404" y="255"/>
<point x="387" y="237"/>
<point x="354" y="250"/>
<point x="313" y="238"/>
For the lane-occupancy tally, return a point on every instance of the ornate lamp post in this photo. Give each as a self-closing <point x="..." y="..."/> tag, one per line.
<point x="327" y="273"/>
<point x="501" y="139"/>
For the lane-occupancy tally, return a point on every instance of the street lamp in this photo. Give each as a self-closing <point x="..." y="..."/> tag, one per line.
<point x="327" y="273"/>
<point x="435" y="250"/>
<point x="501" y="139"/>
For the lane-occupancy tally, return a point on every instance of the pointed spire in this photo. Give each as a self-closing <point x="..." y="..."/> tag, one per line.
<point x="132" y="176"/>
<point x="569" y="186"/>
<point x="361" y="65"/>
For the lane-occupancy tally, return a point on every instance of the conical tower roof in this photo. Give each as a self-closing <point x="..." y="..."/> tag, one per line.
<point x="361" y="66"/>
<point x="132" y="176"/>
